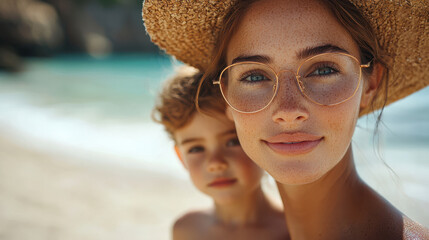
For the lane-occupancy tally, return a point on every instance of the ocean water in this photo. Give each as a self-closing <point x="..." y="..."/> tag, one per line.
<point x="99" y="110"/>
<point x="75" y="104"/>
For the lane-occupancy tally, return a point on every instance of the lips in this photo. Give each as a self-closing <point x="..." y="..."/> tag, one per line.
<point x="293" y="143"/>
<point x="222" y="182"/>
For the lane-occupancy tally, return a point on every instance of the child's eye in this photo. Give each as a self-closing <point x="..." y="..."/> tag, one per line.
<point x="196" y="149"/>
<point x="233" y="142"/>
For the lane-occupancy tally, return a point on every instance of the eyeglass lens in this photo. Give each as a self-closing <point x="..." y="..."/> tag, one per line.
<point x="326" y="79"/>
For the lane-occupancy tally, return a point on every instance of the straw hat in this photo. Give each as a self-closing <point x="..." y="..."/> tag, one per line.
<point x="188" y="30"/>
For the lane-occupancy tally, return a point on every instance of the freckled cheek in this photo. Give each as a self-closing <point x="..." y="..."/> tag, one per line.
<point x="250" y="129"/>
<point x="341" y="123"/>
<point x="247" y="123"/>
<point x="248" y="138"/>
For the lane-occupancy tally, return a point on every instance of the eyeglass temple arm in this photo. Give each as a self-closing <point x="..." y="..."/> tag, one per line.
<point x="216" y="82"/>
<point x="367" y="65"/>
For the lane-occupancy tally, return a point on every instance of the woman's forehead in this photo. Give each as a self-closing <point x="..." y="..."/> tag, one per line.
<point x="285" y="28"/>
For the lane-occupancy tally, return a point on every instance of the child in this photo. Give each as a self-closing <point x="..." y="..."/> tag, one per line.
<point x="208" y="147"/>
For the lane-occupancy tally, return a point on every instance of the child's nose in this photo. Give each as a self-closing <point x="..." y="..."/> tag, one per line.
<point x="216" y="163"/>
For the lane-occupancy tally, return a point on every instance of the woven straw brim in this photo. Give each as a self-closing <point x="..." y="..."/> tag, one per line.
<point x="185" y="29"/>
<point x="188" y="31"/>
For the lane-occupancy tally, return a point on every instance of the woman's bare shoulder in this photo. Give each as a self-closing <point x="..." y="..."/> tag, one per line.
<point x="414" y="230"/>
<point x="191" y="225"/>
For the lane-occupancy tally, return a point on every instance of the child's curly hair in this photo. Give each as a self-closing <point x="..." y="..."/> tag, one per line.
<point x="175" y="105"/>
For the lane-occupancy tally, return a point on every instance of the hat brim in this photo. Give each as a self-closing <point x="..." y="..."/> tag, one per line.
<point x="188" y="30"/>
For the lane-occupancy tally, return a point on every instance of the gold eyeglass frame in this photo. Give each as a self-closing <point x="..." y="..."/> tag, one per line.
<point x="297" y="77"/>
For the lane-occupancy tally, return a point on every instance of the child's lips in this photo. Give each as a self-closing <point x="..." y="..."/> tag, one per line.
<point x="222" y="182"/>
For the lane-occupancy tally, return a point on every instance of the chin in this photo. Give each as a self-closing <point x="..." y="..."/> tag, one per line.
<point x="296" y="179"/>
<point x="295" y="173"/>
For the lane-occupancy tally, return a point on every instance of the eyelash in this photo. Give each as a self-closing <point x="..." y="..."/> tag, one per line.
<point x="196" y="149"/>
<point x="250" y="73"/>
<point x="234" y="140"/>
<point x="321" y="66"/>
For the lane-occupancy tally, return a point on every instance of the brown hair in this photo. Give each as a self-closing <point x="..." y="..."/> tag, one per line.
<point x="346" y="13"/>
<point x="176" y="106"/>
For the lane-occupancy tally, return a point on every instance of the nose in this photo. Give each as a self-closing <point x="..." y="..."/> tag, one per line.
<point x="289" y="103"/>
<point x="216" y="163"/>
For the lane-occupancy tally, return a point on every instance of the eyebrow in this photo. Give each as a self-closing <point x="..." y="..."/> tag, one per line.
<point x="311" y="51"/>
<point x="302" y="54"/>
<point x="251" y="58"/>
<point x="232" y="131"/>
<point x="190" y="140"/>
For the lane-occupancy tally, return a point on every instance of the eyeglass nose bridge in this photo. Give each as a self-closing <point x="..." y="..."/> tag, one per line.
<point x="296" y="77"/>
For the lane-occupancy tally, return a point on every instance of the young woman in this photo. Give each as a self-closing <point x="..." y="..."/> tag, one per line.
<point x="296" y="76"/>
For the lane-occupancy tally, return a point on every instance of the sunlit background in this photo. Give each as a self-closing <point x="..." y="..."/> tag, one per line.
<point x="80" y="157"/>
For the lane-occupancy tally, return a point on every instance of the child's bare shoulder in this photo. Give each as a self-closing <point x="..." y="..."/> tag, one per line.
<point x="193" y="217"/>
<point x="192" y="224"/>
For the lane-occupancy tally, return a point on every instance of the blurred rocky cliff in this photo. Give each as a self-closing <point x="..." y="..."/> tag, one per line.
<point x="49" y="27"/>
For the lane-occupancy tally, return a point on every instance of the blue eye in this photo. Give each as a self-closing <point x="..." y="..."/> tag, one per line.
<point x="323" y="71"/>
<point x="254" y="76"/>
<point x="196" y="149"/>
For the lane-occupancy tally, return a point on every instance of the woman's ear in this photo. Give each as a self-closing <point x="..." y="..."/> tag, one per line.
<point x="371" y="85"/>
<point x="176" y="149"/>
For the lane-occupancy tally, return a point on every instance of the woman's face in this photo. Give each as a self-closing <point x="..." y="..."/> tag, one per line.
<point x="293" y="139"/>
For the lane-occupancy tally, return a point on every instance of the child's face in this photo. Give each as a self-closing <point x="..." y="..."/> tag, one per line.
<point x="293" y="139"/>
<point x="209" y="149"/>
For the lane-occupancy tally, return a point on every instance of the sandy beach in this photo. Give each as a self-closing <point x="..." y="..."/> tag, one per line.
<point x="44" y="196"/>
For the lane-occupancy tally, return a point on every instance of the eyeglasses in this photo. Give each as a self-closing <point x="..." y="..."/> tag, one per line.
<point x="325" y="79"/>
